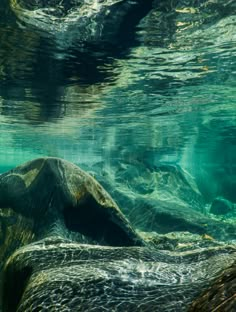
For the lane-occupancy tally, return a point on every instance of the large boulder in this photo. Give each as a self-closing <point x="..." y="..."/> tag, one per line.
<point x="58" y="197"/>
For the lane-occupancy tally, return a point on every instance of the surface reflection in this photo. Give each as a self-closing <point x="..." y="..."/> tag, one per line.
<point x="164" y="95"/>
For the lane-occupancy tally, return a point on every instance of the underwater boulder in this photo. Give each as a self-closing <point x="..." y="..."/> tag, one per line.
<point x="57" y="197"/>
<point x="164" y="182"/>
<point x="221" y="206"/>
<point x="162" y="198"/>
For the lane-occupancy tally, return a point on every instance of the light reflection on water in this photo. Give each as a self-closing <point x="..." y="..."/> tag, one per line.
<point x="168" y="97"/>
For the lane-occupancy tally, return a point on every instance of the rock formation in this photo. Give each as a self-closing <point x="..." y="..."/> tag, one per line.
<point x="65" y="245"/>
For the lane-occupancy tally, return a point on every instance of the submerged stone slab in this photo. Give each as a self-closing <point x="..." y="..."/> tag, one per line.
<point x="65" y="276"/>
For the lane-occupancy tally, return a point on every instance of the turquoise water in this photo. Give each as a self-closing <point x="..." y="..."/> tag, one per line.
<point x="140" y="94"/>
<point x="160" y="93"/>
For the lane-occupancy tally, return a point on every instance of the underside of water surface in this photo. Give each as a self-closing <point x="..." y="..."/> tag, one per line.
<point x="141" y="96"/>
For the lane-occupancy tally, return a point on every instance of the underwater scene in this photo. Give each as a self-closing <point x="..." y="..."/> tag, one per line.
<point x="118" y="155"/>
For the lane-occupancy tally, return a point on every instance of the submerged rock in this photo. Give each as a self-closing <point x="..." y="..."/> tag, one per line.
<point x="221" y="206"/>
<point x="163" y="198"/>
<point x="220" y="296"/>
<point x="59" y="197"/>
<point x="66" y="276"/>
<point x="66" y="246"/>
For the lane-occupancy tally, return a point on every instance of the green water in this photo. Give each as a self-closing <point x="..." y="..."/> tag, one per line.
<point x="141" y="95"/>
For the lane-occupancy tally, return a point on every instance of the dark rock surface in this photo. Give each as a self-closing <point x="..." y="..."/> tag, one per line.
<point x="66" y="246"/>
<point x="221" y="295"/>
